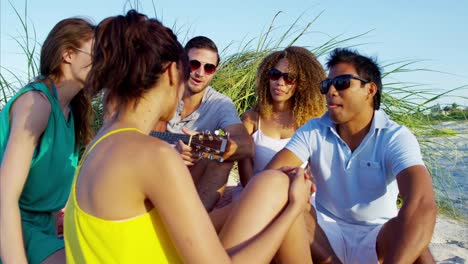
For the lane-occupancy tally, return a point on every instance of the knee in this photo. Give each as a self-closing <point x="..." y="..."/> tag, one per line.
<point x="275" y="179"/>
<point x="274" y="183"/>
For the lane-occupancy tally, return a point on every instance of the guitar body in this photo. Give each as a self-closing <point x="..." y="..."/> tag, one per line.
<point x="208" y="146"/>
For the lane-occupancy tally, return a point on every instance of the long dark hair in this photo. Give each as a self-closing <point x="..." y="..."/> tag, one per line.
<point x="129" y="55"/>
<point x="70" y="33"/>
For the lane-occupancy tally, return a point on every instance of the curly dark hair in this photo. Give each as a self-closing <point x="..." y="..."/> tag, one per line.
<point x="307" y="101"/>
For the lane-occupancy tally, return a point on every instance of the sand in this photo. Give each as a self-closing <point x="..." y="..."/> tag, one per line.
<point x="450" y="240"/>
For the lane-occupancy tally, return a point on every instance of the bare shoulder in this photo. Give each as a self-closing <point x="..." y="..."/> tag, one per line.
<point x="250" y="116"/>
<point x="155" y="151"/>
<point x="156" y="160"/>
<point x="31" y="111"/>
<point x="249" y="119"/>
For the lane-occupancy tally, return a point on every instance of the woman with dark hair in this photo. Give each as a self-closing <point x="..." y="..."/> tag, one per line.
<point x="42" y="129"/>
<point x="287" y="88"/>
<point x="133" y="199"/>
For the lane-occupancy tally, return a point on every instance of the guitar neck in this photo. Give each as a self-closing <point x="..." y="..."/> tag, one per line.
<point x="172" y="138"/>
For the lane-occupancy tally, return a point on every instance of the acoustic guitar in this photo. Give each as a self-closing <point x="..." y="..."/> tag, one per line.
<point x="204" y="145"/>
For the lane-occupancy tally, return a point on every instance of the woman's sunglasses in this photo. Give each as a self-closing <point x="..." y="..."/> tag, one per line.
<point x="275" y="75"/>
<point x="340" y="82"/>
<point x="208" y="67"/>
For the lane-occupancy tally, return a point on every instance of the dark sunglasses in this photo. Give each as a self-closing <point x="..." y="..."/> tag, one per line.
<point x="340" y="82"/>
<point x="275" y="75"/>
<point x="208" y="67"/>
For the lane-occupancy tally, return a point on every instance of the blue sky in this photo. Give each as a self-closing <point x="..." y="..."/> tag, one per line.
<point x="432" y="31"/>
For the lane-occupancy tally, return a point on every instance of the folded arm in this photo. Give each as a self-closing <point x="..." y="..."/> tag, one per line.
<point x="405" y="237"/>
<point x="284" y="158"/>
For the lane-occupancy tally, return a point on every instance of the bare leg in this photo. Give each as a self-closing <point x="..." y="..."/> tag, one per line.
<point x="260" y="203"/>
<point x="290" y="250"/>
<point x="219" y="216"/>
<point x="56" y="258"/>
<point x="210" y="178"/>
<point x="322" y="251"/>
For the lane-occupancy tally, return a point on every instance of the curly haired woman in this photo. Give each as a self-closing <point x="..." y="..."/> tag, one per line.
<point x="287" y="88"/>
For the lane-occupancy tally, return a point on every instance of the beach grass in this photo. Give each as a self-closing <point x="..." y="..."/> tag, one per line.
<point x="406" y="102"/>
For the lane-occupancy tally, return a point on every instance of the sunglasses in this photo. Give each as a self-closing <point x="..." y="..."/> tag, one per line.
<point x="208" y="67"/>
<point x="275" y="75"/>
<point x="84" y="51"/>
<point x="340" y="82"/>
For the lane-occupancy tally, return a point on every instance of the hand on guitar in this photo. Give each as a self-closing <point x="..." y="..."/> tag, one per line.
<point x="185" y="151"/>
<point x="194" y="146"/>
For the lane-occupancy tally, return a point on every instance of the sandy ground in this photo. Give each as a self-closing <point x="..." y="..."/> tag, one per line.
<point x="450" y="241"/>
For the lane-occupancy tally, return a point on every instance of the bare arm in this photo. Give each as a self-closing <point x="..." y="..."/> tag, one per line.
<point x="176" y="200"/>
<point x="29" y="117"/>
<point x="241" y="146"/>
<point x="174" y="195"/>
<point x="284" y="158"/>
<point x="245" y="166"/>
<point x="413" y="227"/>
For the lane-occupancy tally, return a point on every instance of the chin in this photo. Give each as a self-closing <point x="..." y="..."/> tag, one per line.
<point x="197" y="89"/>
<point x="336" y="118"/>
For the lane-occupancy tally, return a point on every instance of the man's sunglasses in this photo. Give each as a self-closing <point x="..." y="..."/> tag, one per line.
<point x="208" y="67"/>
<point x="275" y="75"/>
<point x="340" y="82"/>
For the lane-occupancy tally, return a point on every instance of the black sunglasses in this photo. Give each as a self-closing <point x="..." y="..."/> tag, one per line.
<point x="208" y="67"/>
<point x="340" y="82"/>
<point x="275" y="75"/>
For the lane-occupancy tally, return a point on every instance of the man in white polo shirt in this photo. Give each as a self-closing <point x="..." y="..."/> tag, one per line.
<point x="361" y="160"/>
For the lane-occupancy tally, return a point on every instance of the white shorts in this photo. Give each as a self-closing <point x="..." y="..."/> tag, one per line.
<point x="351" y="243"/>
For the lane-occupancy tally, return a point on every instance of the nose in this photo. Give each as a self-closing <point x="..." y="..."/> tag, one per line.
<point x="332" y="91"/>
<point x="281" y="81"/>
<point x="200" y="71"/>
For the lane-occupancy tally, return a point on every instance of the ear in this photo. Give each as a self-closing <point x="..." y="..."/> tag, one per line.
<point x="371" y="89"/>
<point x="67" y="56"/>
<point x="173" y="73"/>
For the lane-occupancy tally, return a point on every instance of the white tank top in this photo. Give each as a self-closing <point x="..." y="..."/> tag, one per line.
<point x="265" y="148"/>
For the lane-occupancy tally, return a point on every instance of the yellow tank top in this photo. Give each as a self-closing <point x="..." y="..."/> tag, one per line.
<point x="89" y="239"/>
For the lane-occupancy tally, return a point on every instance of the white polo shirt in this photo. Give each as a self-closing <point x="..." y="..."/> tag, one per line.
<point x="357" y="187"/>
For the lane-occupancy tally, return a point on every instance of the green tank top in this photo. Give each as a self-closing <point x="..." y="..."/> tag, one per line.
<point x="54" y="162"/>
